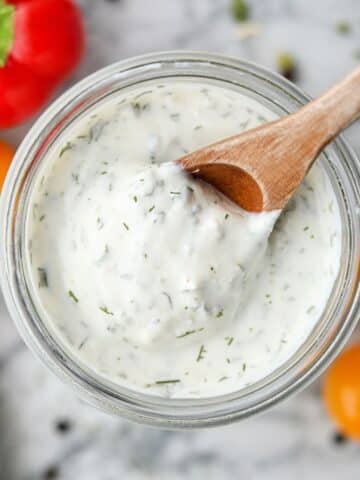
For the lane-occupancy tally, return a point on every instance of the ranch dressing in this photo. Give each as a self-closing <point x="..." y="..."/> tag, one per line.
<point x="153" y="279"/>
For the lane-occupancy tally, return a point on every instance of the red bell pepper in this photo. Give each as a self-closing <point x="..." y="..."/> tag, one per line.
<point x="41" y="42"/>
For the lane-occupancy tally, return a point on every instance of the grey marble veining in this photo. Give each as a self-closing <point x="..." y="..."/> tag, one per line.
<point x="294" y="440"/>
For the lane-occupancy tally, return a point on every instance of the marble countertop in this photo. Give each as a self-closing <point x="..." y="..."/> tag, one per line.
<point x="47" y="433"/>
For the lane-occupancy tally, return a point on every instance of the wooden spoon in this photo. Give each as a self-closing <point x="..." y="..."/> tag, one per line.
<point x="260" y="169"/>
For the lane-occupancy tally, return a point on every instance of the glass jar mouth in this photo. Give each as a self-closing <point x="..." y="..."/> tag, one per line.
<point x="330" y="334"/>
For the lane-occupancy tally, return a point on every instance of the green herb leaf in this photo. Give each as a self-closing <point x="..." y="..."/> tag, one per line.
<point x="286" y="65"/>
<point x="73" y="296"/>
<point x="67" y="147"/>
<point x="343" y="27"/>
<point x="229" y="340"/>
<point x="126" y="226"/>
<point x="201" y="353"/>
<point x="240" y="10"/>
<point x="7" y="15"/>
<point x="189" y="332"/>
<point x="106" y="310"/>
<point x="43" y="280"/>
<point x="164" y="382"/>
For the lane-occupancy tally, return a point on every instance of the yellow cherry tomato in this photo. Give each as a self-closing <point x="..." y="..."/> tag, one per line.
<point x="341" y="392"/>
<point x="6" y="155"/>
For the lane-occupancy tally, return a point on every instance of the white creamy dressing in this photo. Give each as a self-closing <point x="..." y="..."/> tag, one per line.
<point x="155" y="280"/>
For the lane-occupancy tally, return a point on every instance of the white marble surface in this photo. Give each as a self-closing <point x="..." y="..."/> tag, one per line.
<point x="295" y="440"/>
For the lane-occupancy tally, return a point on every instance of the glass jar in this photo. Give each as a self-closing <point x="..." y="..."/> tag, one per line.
<point x="330" y="333"/>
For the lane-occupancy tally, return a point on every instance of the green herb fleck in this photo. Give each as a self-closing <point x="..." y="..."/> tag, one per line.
<point x="75" y="177"/>
<point x="201" y="353"/>
<point x="43" y="279"/>
<point x="286" y="65"/>
<point x="240" y="10"/>
<point x="244" y="366"/>
<point x="222" y="379"/>
<point x="106" y="310"/>
<point x="220" y="313"/>
<point x="135" y="198"/>
<point x="42" y="218"/>
<point x="67" y="147"/>
<point x="212" y="269"/>
<point x="151" y="208"/>
<point x="229" y="340"/>
<point x="343" y="27"/>
<point x="306" y="229"/>
<point x="189" y="332"/>
<point x="310" y="309"/>
<point x="126" y="226"/>
<point x="139" y="107"/>
<point x="99" y="223"/>
<point x="190" y="189"/>
<point x="226" y="216"/>
<point x="164" y="382"/>
<point x="175" y="193"/>
<point x="96" y="131"/>
<point x="73" y="296"/>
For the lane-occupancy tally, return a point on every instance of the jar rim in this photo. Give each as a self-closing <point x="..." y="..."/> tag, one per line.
<point x="134" y="405"/>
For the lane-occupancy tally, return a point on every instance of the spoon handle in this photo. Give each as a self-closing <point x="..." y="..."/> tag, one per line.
<point x="324" y="118"/>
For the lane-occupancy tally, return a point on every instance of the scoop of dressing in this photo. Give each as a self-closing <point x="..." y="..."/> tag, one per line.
<point x="190" y="249"/>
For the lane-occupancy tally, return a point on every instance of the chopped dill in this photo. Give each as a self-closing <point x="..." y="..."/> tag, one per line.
<point x="43" y="279"/>
<point x="73" y="296"/>
<point x="229" y="340"/>
<point x="151" y="208"/>
<point x="126" y="226"/>
<point x="164" y="382"/>
<point x="189" y="332"/>
<point x="220" y="313"/>
<point x="201" y="353"/>
<point x="67" y="147"/>
<point x="106" y="310"/>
